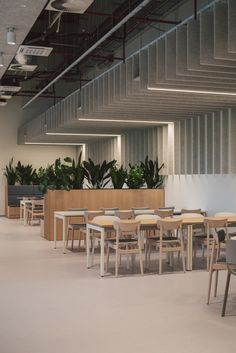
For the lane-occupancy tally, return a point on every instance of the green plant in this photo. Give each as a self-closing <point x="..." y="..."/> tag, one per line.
<point x="97" y="175"/>
<point x="76" y="171"/>
<point x="135" y="178"/>
<point x="10" y="173"/>
<point x="118" y="176"/>
<point x="56" y="176"/>
<point x="25" y="174"/>
<point x="151" y="172"/>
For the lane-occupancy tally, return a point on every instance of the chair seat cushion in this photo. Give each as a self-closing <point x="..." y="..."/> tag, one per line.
<point x="121" y="240"/>
<point x="167" y="238"/>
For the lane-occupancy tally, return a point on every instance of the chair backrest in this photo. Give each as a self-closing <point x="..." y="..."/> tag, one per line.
<point x="89" y="215"/>
<point x="77" y="209"/>
<point x="215" y="223"/>
<point x="191" y="215"/>
<point x="166" y="208"/>
<point x="145" y="211"/>
<point x="141" y="217"/>
<point x="140" y="208"/>
<point x="163" y="213"/>
<point x="106" y="218"/>
<point x="197" y="210"/>
<point x="225" y="214"/>
<point x="109" y="208"/>
<point x="127" y="227"/>
<point x="231" y="252"/>
<point x="128" y="214"/>
<point x="169" y="224"/>
<point x="37" y="203"/>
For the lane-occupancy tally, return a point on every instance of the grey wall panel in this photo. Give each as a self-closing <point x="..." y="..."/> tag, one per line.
<point x="195" y="145"/>
<point x="233" y="140"/>
<point x="217" y="143"/>
<point x="202" y="154"/>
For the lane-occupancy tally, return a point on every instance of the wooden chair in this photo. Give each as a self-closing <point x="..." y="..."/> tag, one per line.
<point x="231" y="266"/>
<point x="199" y="235"/>
<point x="217" y="263"/>
<point x="35" y="211"/>
<point x="227" y="214"/>
<point x="73" y="227"/>
<point x="124" y="214"/>
<point x="125" y="245"/>
<point x="196" y="210"/>
<point x="167" y="243"/>
<point x="163" y="213"/>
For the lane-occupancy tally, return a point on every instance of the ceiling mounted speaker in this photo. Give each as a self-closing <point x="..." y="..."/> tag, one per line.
<point x="74" y="6"/>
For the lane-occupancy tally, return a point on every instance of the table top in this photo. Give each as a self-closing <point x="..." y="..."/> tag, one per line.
<point x="153" y="222"/>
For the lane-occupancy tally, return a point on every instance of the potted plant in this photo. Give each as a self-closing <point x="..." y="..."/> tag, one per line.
<point x="25" y="174"/>
<point x="98" y="176"/>
<point x="10" y="173"/>
<point x="118" y="177"/>
<point x="76" y="171"/>
<point x="135" y="178"/>
<point x="151" y="174"/>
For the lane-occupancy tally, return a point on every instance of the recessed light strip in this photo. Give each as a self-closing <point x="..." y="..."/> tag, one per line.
<point x="126" y="121"/>
<point x="180" y="90"/>
<point x="79" y="134"/>
<point x="55" y="143"/>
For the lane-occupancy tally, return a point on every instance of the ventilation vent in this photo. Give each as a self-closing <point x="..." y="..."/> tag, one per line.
<point x="34" y="50"/>
<point x="74" y="6"/>
<point x="20" y="67"/>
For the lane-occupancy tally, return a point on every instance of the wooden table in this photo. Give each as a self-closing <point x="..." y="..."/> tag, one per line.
<point x="23" y="205"/>
<point x="103" y="226"/>
<point x="64" y="215"/>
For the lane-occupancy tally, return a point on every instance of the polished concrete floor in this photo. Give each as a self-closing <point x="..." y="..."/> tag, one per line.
<point x="50" y="303"/>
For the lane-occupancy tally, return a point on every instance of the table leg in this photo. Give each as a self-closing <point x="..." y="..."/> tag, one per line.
<point x="24" y="213"/>
<point x="190" y="248"/>
<point x="208" y="248"/>
<point x="88" y="246"/>
<point x="64" y="235"/>
<point x="102" y="254"/>
<point x="55" y="232"/>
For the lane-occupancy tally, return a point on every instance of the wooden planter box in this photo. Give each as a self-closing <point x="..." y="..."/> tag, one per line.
<point x="60" y="200"/>
<point x="13" y="212"/>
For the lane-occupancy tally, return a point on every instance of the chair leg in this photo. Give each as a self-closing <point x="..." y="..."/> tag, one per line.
<point x="141" y="261"/>
<point x="216" y="283"/>
<point x="79" y="240"/>
<point x="146" y="254"/>
<point x="108" y="253"/>
<point x="226" y="294"/>
<point x="117" y="262"/>
<point x="160" y="261"/>
<point x="72" y="239"/>
<point x="67" y="238"/>
<point x="209" y="286"/>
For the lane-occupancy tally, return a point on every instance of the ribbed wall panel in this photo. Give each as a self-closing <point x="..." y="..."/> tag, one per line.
<point x="206" y="144"/>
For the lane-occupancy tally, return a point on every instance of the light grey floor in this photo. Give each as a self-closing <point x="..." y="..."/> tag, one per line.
<point x="50" y="303"/>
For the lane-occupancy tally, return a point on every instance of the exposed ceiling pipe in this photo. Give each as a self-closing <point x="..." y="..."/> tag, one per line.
<point x="141" y="19"/>
<point x="99" y="42"/>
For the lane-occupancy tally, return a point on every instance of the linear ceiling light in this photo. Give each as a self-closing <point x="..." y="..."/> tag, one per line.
<point x="181" y="90"/>
<point x="55" y="143"/>
<point x="11" y="36"/>
<point x="78" y="134"/>
<point x="126" y="121"/>
<point x="1" y="60"/>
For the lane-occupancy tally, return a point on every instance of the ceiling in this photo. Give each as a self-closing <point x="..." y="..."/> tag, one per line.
<point x="113" y="92"/>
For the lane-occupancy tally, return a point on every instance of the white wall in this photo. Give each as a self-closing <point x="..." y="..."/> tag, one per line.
<point x="11" y="117"/>
<point x="213" y="193"/>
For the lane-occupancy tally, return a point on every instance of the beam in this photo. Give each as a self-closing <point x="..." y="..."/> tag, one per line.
<point x="80" y="58"/>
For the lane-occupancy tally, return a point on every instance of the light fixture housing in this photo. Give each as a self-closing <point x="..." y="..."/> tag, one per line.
<point x="80" y="134"/>
<point x="154" y="122"/>
<point x="192" y="91"/>
<point x="55" y="143"/>
<point x="11" y="36"/>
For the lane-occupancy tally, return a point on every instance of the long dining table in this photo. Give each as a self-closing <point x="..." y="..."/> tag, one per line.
<point x="102" y="227"/>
